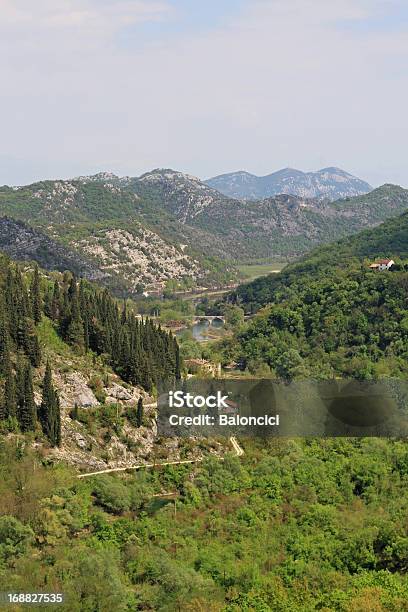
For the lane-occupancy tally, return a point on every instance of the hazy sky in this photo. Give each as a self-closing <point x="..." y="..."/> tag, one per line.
<point x="203" y="86"/>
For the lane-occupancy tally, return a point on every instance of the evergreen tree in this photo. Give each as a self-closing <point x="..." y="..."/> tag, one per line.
<point x="47" y="303"/>
<point x="35" y="294"/>
<point x="86" y="336"/>
<point x="49" y="411"/>
<point x="26" y="408"/>
<point x="56" y="302"/>
<point x="32" y="346"/>
<point x="9" y="402"/>
<point x="123" y="318"/>
<point x="139" y="412"/>
<point x="75" y="329"/>
<point x="4" y="339"/>
<point x="74" y="414"/>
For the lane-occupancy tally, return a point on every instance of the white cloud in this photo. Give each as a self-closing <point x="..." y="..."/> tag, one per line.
<point x="67" y="13"/>
<point x="287" y="82"/>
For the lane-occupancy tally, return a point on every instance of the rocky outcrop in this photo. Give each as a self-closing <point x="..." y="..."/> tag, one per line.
<point x="75" y="390"/>
<point x="138" y="255"/>
<point x="24" y="243"/>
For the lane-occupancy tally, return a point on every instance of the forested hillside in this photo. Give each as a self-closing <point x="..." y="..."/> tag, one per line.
<point x="86" y="319"/>
<point x="293" y="526"/>
<point x="329" y="313"/>
<point x="289" y="226"/>
<point x="284" y="225"/>
<point x="390" y="239"/>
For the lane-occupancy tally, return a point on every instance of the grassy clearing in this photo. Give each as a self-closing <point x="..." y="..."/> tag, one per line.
<point x="252" y="271"/>
<point x="49" y="338"/>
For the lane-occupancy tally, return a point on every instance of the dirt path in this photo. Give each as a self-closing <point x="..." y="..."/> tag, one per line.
<point x="238" y="450"/>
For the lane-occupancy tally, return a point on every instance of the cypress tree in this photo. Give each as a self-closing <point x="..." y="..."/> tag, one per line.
<point x="47" y="303"/>
<point x="9" y="401"/>
<point x="49" y="411"/>
<point x="86" y="335"/>
<point x="4" y="340"/>
<point x="56" y="302"/>
<point x="178" y="360"/>
<point x="139" y="412"/>
<point x="26" y="408"/>
<point x="35" y="294"/>
<point x="123" y="318"/>
<point x="32" y="346"/>
<point x="75" y="330"/>
<point x="74" y="414"/>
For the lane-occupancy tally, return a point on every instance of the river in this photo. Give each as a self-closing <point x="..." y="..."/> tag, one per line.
<point x="201" y="328"/>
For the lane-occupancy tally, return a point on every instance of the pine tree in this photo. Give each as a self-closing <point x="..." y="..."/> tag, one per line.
<point x="32" y="346"/>
<point x="26" y="408"/>
<point x="35" y="294"/>
<point x="49" y="411"/>
<point x="9" y="401"/>
<point x="56" y="302"/>
<point x="4" y="340"/>
<point x="139" y="412"/>
<point x="75" y="330"/>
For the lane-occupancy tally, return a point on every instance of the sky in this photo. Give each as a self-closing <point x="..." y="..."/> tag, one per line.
<point x="204" y="87"/>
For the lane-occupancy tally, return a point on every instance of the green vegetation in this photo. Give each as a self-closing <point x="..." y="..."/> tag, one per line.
<point x="67" y="212"/>
<point x="20" y="312"/>
<point x="49" y="410"/>
<point x="329" y="313"/>
<point x="167" y="310"/>
<point x="90" y="319"/>
<point x="64" y="319"/>
<point x="252" y="271"/>
<point x="293" y="526"/>
<point x="286" y="227"/>
<point x="76" y="216"/>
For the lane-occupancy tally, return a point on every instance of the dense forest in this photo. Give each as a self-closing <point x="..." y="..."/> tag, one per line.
<point x="293" y="526"/>
<point x="88" y="319"/>
<point x="329" y="313"/>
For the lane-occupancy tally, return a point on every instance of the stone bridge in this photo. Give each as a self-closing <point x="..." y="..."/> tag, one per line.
<point x="209" y="318"/>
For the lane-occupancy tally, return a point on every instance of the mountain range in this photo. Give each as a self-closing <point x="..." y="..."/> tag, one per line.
<point x="327" y="183"/>
<point x="133" y="232"/>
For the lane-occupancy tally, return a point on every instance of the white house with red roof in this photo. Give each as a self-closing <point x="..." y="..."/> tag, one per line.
<point x="382" y="264"/>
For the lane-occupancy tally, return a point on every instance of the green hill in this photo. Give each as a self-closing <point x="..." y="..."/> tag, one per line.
<point x="390" y="239"/>
<point x="329" y="313"/>
<point x="289" y="525"/>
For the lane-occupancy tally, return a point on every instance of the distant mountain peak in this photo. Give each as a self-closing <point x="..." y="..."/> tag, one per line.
<point x="99" y="177"/>
<point x="167" y="174"/>
<point x="329" y="183"/>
